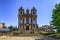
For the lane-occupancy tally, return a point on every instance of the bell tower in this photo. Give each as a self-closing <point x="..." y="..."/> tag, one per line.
<point x="21" y="11"/>
<point x="33" y="11"/>
<point x="20" y="18"/>
<point x="34" y="18"/>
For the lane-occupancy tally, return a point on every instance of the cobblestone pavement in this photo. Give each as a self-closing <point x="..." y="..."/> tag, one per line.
<point x="26" y="38"/>
<point x="18" y="38"/>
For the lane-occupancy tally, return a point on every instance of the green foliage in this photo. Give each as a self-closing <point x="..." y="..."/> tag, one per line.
<point x="56" y="17"/>
<point x="47" y="33"/>
<point x="11" y="28"/>
<point x="57" y="35"/>
<point x="4" y="27"/>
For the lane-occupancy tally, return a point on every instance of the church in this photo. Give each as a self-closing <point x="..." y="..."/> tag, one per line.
<point x="27" y="23"/>
<point x="27" y="20"/>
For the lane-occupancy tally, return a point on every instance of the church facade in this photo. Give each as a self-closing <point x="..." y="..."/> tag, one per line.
<point x="27" y="20"/>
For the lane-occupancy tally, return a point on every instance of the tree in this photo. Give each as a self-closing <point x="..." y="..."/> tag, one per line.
<point x="15" y="28"/>
<point x="4" y="25"/>
<point x="55" y="22"/>
<point x="11" y="28"/>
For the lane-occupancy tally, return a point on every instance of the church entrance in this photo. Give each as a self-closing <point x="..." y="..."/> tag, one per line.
<point x="27" y="27"/>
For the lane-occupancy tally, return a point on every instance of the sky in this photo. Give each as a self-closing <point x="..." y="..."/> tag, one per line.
<point x="9" y="10"/>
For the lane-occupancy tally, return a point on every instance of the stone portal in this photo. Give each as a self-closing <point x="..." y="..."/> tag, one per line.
<point x="27" y="27"/>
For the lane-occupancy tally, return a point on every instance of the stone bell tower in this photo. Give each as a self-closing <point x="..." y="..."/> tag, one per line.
<point x="20" y="19"/>
<point x="27" y="21"/>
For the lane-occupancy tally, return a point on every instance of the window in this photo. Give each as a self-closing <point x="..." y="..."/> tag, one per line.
<point x="33" y="20"/>
<point x="20" y="12"/>
<point x="20" y="20"/>
<point x="33" y="12"/>
<point x="27" y="19"/>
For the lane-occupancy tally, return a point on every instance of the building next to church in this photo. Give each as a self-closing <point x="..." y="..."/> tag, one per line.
<point x="27" y="20"/>
<point x="2" y="24"/>
<point x="47" y="28"/>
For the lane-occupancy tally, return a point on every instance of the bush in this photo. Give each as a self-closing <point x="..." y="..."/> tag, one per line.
<point x="57" y="35"/>
<point x="48" y="34"/>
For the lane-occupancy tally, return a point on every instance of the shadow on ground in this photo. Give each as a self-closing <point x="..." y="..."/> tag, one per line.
<point x="47" y="38"/>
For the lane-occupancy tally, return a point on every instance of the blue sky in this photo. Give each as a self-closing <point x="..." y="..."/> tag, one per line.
<point x="9" y="10"/>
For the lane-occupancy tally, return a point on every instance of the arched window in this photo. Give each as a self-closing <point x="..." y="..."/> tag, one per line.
<point x="33" y="20"/>
<point x="27" y="19"/>
<point x="33" y="12"/>
<point x="20" y="12"/>
<point x="21" y="20"/>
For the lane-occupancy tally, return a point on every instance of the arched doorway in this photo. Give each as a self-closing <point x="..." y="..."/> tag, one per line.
<point x="27" y="27"/>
